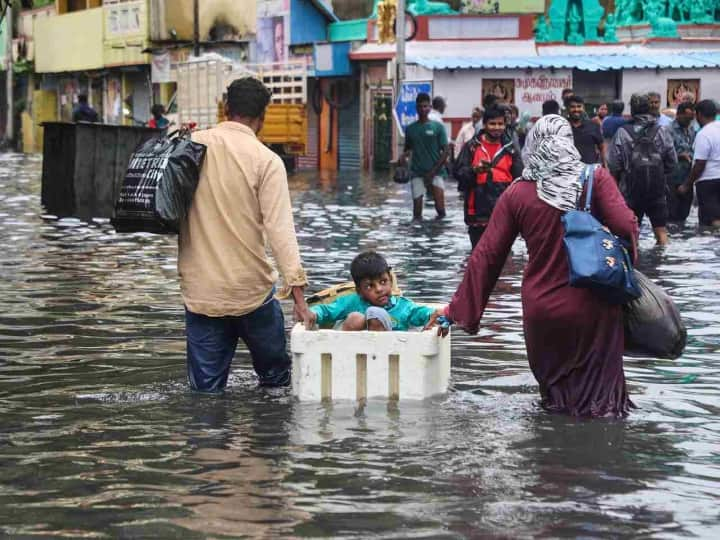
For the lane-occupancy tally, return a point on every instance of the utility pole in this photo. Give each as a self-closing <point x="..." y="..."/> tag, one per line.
<point x="399" y="57"/>
<point x="10" y="120"/>
<point x="400" y="45"/>
<point x="196" y="28"/>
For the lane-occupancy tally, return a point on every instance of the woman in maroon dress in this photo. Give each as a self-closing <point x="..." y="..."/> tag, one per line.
<point x="574" y="339"/>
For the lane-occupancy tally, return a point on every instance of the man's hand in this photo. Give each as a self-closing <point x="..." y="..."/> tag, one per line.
<point x="684" y="189"/>
<point x="443" y="324"/>
<point x="301" y="312"/>
<point x="685" y="156"/>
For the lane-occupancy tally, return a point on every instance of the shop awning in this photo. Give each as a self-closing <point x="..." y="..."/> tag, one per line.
<point x="584" y="62"/>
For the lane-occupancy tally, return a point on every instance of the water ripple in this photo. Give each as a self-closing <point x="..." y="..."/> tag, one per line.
<point x="101" y="437"/>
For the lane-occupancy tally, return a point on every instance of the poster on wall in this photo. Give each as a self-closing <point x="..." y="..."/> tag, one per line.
<point x="272" y="31"/>
<point x="504" y="89"/>
<point x="271" y="39"/>
<point x="405" y="112"/>
<point x="678" y="88"/>
<point x="502" y="6"/>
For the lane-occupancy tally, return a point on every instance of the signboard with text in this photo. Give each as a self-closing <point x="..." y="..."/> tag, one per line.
<point x="532" y="90"/>
<point x="404" y="111"/>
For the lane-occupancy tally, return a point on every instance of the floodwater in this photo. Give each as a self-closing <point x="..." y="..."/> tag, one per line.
<point x="100" y="436"/>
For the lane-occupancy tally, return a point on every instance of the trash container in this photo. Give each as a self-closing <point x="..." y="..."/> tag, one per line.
<point x="84" y="165"/>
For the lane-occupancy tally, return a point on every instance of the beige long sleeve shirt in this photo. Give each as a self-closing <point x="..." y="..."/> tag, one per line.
<point x="242" y="204"/>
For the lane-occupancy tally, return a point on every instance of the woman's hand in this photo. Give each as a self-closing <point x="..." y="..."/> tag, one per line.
<point x="439" y="319"/>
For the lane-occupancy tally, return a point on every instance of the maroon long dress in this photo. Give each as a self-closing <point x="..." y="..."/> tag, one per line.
<point x="574" y="339"/>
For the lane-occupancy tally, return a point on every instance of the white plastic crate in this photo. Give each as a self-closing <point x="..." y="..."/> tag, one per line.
<point x="332" y="364"/>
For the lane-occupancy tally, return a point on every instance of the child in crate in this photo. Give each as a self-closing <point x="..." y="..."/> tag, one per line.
<point x="372" y="306"/>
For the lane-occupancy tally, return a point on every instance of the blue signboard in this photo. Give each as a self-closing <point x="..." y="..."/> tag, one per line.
<point x="405" y="112"/>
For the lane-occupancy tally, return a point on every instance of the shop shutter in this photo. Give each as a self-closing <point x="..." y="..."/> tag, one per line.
<point x="310" y="159"/>
<point x="349" y="153"/>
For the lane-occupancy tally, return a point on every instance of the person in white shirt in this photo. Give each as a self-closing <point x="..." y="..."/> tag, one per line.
<point x="705" y="173"/>
<point x="655" y="104"/>
<point x="438" y="109"/>
<point x="468" y="131"/>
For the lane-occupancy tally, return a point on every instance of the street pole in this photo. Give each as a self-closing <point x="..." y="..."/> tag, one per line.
<point x="196" y="28"/>
<point x="399" y="54"/>
<point x="10" y="121"/>
<point x="400" y="45"/>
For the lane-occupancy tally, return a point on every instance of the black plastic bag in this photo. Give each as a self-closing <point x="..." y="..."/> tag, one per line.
<point x="402" y="175"/>
<point x="159" y="185"/>
<point x="653" y="326"/>
<point x="462" y="169"/>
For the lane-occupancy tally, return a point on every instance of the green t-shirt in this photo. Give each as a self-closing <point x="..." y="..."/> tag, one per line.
<point x="426" y="140"/>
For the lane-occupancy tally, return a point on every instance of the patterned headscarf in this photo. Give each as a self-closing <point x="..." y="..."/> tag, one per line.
<point x="553" y="163"/>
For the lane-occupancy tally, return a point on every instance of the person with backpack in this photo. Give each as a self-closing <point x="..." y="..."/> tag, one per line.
<point x="487" y="166"/>
<point x="641" y="158"/>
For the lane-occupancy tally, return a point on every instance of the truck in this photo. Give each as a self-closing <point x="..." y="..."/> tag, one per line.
<point x="201" y="84"/>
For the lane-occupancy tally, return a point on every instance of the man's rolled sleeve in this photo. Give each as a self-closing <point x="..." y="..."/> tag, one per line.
<point x="276" y="209"/>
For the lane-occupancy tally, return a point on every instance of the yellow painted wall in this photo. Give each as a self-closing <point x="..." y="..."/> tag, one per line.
<point x="71" y="42"/>
<point x="44" y="109"/>
<point x="126" y="33"/>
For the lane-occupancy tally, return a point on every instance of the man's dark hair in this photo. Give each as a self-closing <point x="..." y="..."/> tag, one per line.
<point x="422" y="97"/>
<point x="438" y="103"/>
<point x="685" y="106"/>
<point x="368" y="265"/>
<point x="706" y="108"/>
<point x="566" y="91"/>
<point x="82" y="98"/>
<point x="550" y="107"/>
<point x="490" y="100"/>
<point x="575" y="99"/>
<point x="157" y="110"/>
<point x="247" y="97"/>
<point x="639" y="104"/>
<point x="493" y="112"/>
<point x="617" y="107"/>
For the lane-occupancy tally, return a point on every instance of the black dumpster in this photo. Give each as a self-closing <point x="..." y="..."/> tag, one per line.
<point x="84" y="165"/>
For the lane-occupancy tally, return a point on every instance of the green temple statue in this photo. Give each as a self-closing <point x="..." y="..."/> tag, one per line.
<point x="610" y="29"/>
<point x="542" y="32"/>
<point x="576" y="19"/>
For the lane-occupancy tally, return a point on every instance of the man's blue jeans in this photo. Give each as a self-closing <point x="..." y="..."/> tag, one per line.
<point x="211" y="344"/>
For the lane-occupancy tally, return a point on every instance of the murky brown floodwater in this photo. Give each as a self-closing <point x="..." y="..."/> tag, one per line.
<point x="101" y="438"/>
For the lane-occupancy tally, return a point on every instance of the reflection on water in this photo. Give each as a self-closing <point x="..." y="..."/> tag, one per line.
<point x="102" y="438"/>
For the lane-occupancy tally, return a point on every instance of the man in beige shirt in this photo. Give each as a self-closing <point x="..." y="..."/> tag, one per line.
<point x="242" y="204"/>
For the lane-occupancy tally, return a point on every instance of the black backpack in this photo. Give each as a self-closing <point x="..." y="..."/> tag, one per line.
<point x="645" y="178"/>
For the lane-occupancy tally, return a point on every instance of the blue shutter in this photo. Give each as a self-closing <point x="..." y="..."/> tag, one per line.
<point x="349" y="154"/>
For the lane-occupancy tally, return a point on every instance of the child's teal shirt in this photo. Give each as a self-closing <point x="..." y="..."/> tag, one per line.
<point x="403" y="313"/>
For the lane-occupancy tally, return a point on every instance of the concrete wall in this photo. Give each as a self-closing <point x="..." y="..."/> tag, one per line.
<point x="126" y="33"/>
<point x="71" y="42"/>
<point x="638" y="80"/>
<point x="307" y="24"/>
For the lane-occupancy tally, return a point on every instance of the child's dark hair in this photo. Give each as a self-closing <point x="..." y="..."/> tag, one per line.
<point x="368" y="265"/>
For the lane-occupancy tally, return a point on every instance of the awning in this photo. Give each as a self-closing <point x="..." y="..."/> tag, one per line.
<point x="584" y="62"/>
<point x="446" y="49"/>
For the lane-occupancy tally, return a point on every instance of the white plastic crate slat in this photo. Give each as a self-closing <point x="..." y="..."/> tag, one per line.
<point x="329" y="364"/>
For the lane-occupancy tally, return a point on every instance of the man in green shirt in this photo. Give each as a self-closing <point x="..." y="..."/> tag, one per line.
<point x="426" y="145"/>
